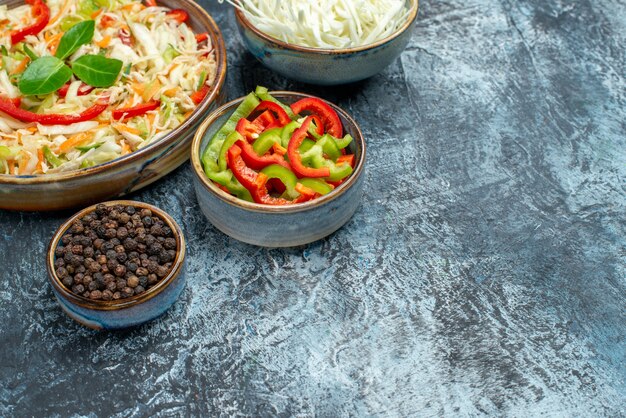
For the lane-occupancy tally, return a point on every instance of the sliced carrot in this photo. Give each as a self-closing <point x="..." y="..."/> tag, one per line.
<point x="151" y="90"/>
<point x="32" y="129"/>
<point x="171" y="92"/>
<point x="186" y="115"/>
<point x="138" y="88"/>
<point x="21" y="66"/>
<point x="95" y="14"/>
<point x="74" y="140"/>
<point x="126" y="148"/>
<point x="23" y="162"/>
<point x="39" y="161"/>
<point x="126" y="128"/>
<point x="12" y="167"/>
<point x="53" y="42"/>
<point x="104" y="42"/>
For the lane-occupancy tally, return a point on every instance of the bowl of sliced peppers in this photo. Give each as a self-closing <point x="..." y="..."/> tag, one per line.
<point x="278" y="169"/>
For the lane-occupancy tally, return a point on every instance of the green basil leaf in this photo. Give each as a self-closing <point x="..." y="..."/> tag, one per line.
<point x="43" y="76"/>
<point x="96" y="70"/>
<point x="79" y="34"/>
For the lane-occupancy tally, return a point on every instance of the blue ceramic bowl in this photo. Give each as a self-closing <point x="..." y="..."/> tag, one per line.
<point x="277" y="226"/>
<point x="128" y="312"/>
<point x="325" y="66"/>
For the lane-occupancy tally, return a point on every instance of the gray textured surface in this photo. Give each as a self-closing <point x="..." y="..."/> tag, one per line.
<point x="483" y="274"/>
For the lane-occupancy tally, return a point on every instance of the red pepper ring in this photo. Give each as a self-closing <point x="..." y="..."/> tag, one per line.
<point x="275" y="108"/>
<point x="330" y="119"/>
<point x="20" y="114"/>
<point x="201" y="37"/>
<point x="256" y="162"/>
<point x="251" y="180"/>
<point x="198" y="96"/>
<point x="294" y="155"/>
<point x="41" y="12"/>
<point x="178" y="15"/>
<point x="319" y="124"/>
<point x="83" y="90"/>
<point x="130" y="112"/>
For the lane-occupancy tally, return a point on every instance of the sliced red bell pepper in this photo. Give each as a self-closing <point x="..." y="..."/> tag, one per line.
<point x="151" y="3"/>
<point x="106" y="21"/>
<point x="256" y="162"/>
<point x="247" y="129"/>
<point x="7" y="106"/>
<point x="296" y="159"/>
<point x="319" y="124"/>
<point x="317" y="107"/>
<point x="198" y="96"/>
<point x="130" y="112"/>
<point x="201" y="37"/>
<point x="276" y="109"/>
<point x="178" y="14"/>
<point x="83" y="90"/>
<point x="265" y="119"/>
<point x="17" y="101"/>
<point x="41" y="13"/>
<point x="251" y="130"/>
<point x="346" y="159"/>
<point x="276" y="185"/>
<point x="305" y="193"/>
<point x="251" y="180"/>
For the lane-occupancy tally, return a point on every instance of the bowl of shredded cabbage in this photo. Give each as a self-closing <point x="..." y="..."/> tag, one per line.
<point x="326" y="42"/>
<point x="99" y="98"/>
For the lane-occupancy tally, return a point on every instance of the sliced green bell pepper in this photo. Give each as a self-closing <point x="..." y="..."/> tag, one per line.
<point x="285" y="175"/>
<point x="230" y="140"/>
<point x="318" y="185"/>
<point x="266" y="140"/>
<point x="50" y="157"/>
<point x="211" y="152"/>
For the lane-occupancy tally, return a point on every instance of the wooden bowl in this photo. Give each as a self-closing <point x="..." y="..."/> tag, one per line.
<point x="129" y="172"/>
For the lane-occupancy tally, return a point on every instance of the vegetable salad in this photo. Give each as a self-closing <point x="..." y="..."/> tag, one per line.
<point x="274" y="154"/>
<point x="83" y="82"/>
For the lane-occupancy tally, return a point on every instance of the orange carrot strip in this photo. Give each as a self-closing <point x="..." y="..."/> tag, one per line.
<point x="21" y="66"/>
<point x="104" y="42"/>
<point x="39" y="160"/>
<point x="126" y="128"/>
<point x="74" y="140"/>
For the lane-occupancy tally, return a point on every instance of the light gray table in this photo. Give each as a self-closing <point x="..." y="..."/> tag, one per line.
<point x="482" y="275"/>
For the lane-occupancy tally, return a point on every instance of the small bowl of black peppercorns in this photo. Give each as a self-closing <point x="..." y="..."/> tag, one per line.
<point x="117" y="264"/>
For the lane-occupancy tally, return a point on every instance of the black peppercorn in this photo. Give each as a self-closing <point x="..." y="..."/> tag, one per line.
<point x="114" y="252"/>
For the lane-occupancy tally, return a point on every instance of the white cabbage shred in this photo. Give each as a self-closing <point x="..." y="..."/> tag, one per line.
<point x="329" y="24"/>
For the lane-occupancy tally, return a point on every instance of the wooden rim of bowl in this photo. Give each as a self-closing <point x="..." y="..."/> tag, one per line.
<point x="217" y="40"/>
<point x="244" y="21"/>
<point x="110" y="305"/>
<point x="196" y="163"/>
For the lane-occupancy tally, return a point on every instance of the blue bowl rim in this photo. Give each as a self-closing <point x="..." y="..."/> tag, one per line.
<point x="242" y="20"/>
<point x="111" y="305"/>
<point x="198" y="171"/>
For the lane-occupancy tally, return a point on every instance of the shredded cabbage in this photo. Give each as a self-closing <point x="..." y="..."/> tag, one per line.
<point x="328" y="24"/>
